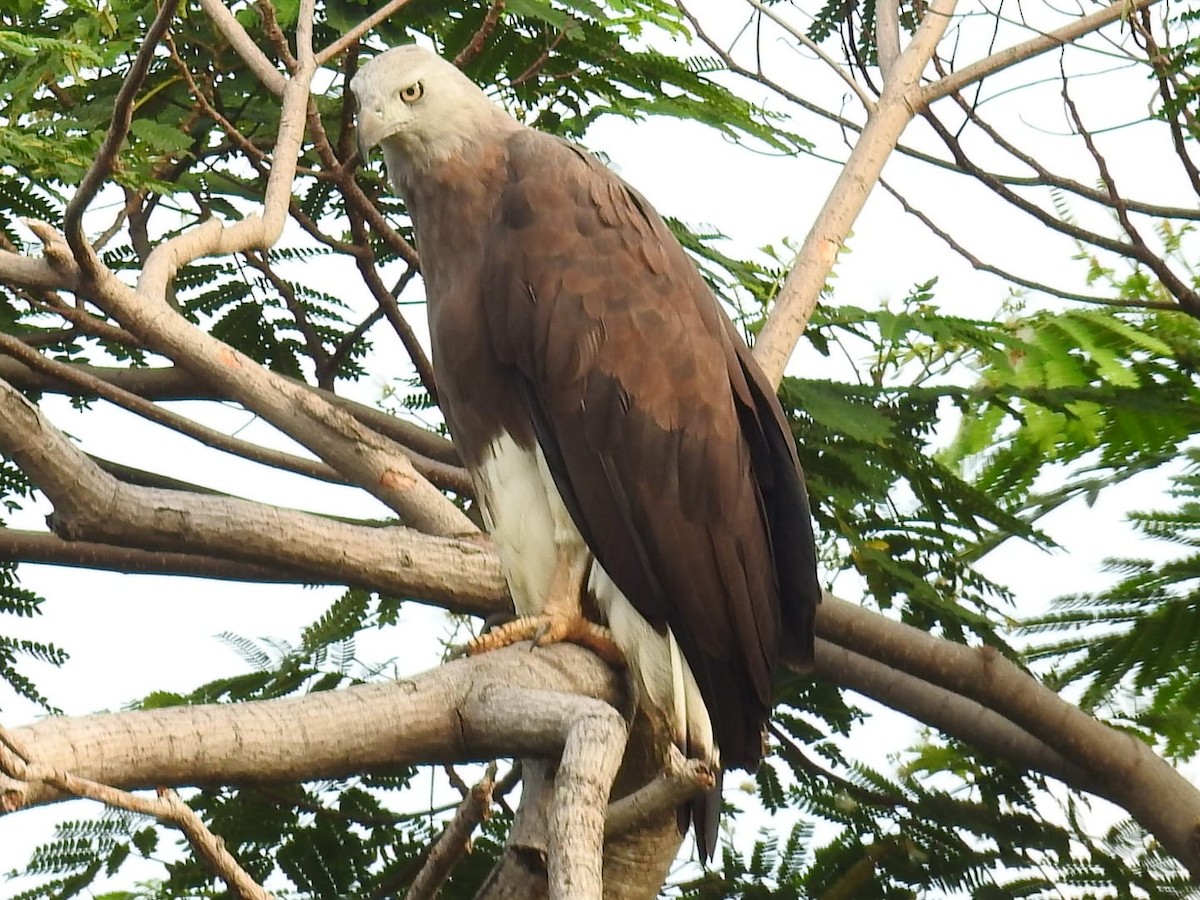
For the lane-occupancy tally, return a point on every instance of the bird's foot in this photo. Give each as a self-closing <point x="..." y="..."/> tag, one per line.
<point x="543" y="630"/>
<point x="490" y="624"/>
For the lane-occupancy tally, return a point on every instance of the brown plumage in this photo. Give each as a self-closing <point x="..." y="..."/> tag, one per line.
<point x="570" y="326"/>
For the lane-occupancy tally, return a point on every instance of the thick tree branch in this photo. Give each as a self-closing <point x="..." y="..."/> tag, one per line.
<point x="1161" y="799"/>
<point x="90" y="504"/>
<point x="174" y="383"/>
<point x="949" y="712"/>
<point x="264" y="70"/>
<point x="592" y="736"/>
<point x="439" y="716"/>
<point x="361" y="455"/>
<point x="887" y="35"/>
<point x="18" y="764"/>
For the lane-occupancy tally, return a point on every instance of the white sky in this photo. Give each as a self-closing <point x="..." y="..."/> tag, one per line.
<point x="131" y="634"/>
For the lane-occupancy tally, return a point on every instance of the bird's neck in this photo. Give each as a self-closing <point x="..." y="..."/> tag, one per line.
<point x="451" y="201"/>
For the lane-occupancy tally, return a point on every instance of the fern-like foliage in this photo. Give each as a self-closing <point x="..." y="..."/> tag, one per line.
<point x="82" y="851"/>
<point x="1135" y="647"/>
<point x="18" y="601"/>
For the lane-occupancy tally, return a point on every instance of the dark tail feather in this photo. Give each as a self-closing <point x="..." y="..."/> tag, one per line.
<point x="705" y="813"/>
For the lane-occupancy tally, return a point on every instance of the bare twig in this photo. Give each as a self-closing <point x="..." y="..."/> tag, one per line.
<point x="804" y="40"/>
<point x="1168" y="89"/>
<point x="106" y="156"/>
<point x="1189" y="301"/>
<point x="89" y="384"/>
<point x="312" y="341"/>
<point x="352" y="36"/>
<point x="432" y="455"/>
<point x="480" y="37"/>
<point x="343" y="349"/>
<point x="49" y="549"/>
<point x="455" y="839"/>
<point x="386" y="299"/>
<point x="976" y="262"/>
<point x="1187" y="296"/>
<point x="274" y="34"/>
<point x="18" y="764"/>
<point x="1042" y="177"/>
<point x="1010" y="56"/>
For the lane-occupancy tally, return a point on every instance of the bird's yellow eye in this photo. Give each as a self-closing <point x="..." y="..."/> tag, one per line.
<point x="412" y="93"/>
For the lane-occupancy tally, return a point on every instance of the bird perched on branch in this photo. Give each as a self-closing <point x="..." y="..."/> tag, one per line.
<point x="633" y="464"/>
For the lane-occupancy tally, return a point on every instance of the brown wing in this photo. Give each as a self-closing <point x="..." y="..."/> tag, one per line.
<point x="664" y="440"/>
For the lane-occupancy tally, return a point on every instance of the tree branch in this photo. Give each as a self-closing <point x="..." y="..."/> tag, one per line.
<point x="1010" y="56"/>
<point x="897" y="104"/>
<point x="174" y="383"/>
<point x="92" y="505"/>
<point x="440" y="716"/>
<point x="264" y="70"/>
<point x="17" y="763"/>
<point x="592" y="736"/>
<point x="1188" y="298"/>
<point x="804" y="40"/>
<point x="454" y="840"/>
<point x="51" y="550"/>
<point x="679" y="782"/>
<point x="362" y="456"/>
<point x="901" y="97"/>
<point x="949" y="712"/>
<point x="89" y="384"/>
<point x="106" y="156"/>
<point x="1161" y="799"/>
<point x="352" y="36"/>
<point x="1012" y="277"/>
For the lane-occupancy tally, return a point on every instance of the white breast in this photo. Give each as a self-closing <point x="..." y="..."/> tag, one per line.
<point x="532" y="529"/>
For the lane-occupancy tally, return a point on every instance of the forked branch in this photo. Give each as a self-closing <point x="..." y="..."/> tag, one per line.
<point x="903" y="97"/>
<point x="18" y="763"/>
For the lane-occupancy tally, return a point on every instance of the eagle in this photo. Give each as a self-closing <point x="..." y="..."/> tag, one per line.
<point x="633" y="465"/>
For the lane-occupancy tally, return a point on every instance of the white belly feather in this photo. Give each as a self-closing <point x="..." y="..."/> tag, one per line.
<point x="532" y="529"/>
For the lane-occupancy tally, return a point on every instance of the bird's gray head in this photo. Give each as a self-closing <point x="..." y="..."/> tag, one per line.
<point x="421" y="109"/>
